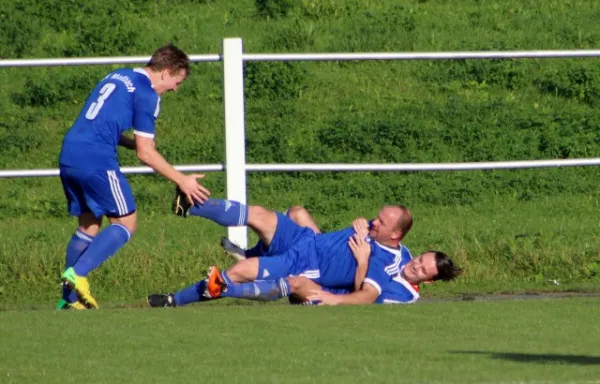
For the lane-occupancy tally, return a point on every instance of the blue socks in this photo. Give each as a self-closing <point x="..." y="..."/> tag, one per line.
<point x="227" y="213"/>
<point x="267" y="290"/>
<point x="78" y="244"/>
<point x="106" y="244"/>
<point x="191" y="294"/>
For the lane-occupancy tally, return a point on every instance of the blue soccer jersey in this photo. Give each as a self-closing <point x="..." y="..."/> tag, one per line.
<point x="337" y="264"/>
<point x="397" y="291"/>
<point x="326" y="258"/>
<point x="384" y="263"/>
<point x="124" y="99"/>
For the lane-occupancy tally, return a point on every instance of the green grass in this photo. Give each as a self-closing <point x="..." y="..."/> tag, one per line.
<point x="542" y="341"/>
<point x="505" y="245"/>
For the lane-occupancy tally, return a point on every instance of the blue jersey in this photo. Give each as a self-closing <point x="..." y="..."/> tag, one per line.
<point x="397" y="291"/>
<point x="337" y="265"/>
<point x="124" y="99"/>
<point x="325" y="258"/>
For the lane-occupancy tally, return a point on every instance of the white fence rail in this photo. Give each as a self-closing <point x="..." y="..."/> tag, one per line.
<point x="235" y="166"/>
<point x="339" y="167"/>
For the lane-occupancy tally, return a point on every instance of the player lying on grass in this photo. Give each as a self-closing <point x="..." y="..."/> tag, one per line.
<point x="306" y="291"/>
<point x="292" y="250"/>
<point x="398" y="290"/>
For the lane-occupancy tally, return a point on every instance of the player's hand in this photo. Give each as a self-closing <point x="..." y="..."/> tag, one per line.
<point x="361" y="227"/>
<point x="194" y="191"/>
<point x="325" y="298"/>
<point x="360" y="248"/>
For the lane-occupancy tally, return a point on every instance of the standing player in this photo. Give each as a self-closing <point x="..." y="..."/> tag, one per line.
<point x="89" y="170"/>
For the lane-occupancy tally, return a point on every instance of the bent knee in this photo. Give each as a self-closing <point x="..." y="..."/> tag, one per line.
<point x="297" y="212"/>
<point x="243" y="271"/>
<point x="129" y="222"/>
<point x="261" y="219"/>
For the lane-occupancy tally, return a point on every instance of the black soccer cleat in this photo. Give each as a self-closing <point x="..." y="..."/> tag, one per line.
<point x="232" y="249"/>
<point x="181" y="204"/>
<point x="161" y="300"/>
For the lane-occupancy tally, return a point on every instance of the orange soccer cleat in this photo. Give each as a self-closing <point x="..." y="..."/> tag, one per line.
<point x="215" y="284"/>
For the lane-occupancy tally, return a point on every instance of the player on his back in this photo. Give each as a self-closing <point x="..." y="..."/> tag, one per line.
<point x="89" y="170"/>
<point x="401" y="288"/>
<point x="396" y="288"/>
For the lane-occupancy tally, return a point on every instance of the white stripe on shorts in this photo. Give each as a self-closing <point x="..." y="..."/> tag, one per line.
<point x="117" y="193"/>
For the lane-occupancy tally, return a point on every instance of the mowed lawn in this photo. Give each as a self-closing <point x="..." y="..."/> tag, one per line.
<point x="524" y="341"/>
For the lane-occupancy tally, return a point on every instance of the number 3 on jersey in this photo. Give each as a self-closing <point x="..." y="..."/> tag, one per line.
<point x="95" y="107"/>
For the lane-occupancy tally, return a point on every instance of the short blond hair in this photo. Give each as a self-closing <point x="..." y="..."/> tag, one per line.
<point x="171" y="58"/>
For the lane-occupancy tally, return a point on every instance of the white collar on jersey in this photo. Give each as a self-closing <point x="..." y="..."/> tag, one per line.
<point x="395" y="251"/>
<point x="142" y="71"/>
<point x="400" y="279"/>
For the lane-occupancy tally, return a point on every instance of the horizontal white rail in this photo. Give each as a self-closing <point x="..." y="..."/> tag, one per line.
<point x="125" y="170"/>
<point x="420" y="55"/>
<point x="338" y="167"/>
<point x="423" y="166"/>
<point x="94" y="61"/>
<point x="312" y="56"/>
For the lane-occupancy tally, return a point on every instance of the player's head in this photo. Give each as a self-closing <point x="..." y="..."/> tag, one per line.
<point x="430" y="266"/>
<point x="391" y="224"/>
<point x="169" y="66"/>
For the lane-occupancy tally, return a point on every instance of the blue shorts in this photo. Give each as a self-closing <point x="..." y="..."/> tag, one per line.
<point x="103" y="193"/>
<point x="292" y="252"/>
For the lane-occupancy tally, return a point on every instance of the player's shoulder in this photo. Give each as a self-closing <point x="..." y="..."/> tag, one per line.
<point x="381" y="249"/>
<point x="405" y="253"/>
<point x="398" y="290"/>
<point x="135" y="80"/>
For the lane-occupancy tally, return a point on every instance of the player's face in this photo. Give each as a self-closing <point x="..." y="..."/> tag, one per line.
<point x="383" y="226"/>
<point x="420" y="269"/>
<point x="171" y="81"/>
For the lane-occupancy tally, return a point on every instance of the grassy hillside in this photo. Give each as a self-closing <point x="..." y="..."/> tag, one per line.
<point x="371" y="111"/>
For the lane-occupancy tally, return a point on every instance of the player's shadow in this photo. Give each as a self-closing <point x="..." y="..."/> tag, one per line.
<point x="538" y="358"/>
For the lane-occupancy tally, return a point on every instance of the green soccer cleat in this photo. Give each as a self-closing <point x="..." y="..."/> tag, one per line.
<point x="65" y="305"/>
<point x="81" y="286"/>
<point x="62" y="304"/>
<point x="181" y="204"/>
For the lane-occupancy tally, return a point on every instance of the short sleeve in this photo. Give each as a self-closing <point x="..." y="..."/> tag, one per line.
<point x="146" y="110"/>
<point x="376" y="274"/>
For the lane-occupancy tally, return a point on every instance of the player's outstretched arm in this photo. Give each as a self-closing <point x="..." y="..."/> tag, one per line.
<point x="147" y="153"/>
<point x="367" y="295"/>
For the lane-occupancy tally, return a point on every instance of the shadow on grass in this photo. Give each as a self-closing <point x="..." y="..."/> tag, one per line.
<point x="538" y="358"/>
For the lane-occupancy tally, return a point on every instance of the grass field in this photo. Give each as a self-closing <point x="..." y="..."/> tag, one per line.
<point x="505" y="246"/>
<point x="522" y="341"/>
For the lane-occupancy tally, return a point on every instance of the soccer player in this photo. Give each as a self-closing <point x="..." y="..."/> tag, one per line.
<point x="293" y="250"/>
<point x="399" y="289"/>
<point x="89" y="170"/>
